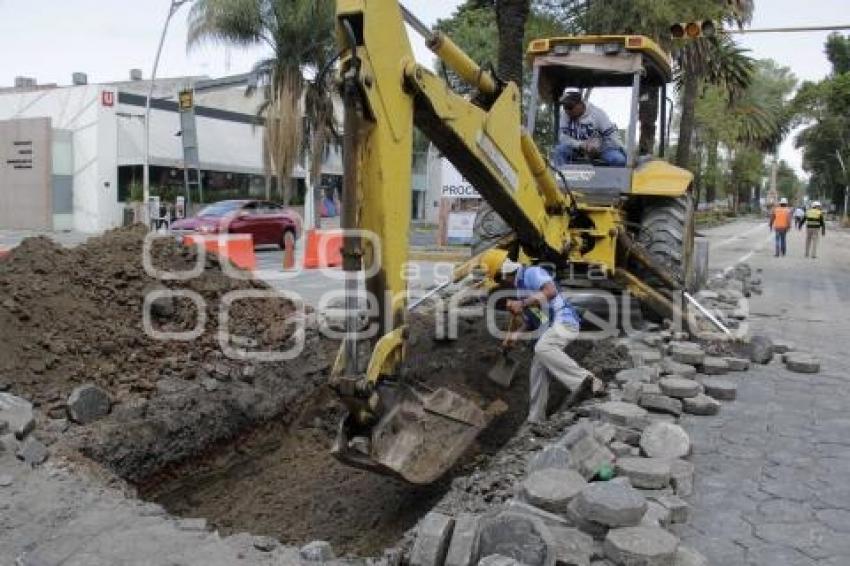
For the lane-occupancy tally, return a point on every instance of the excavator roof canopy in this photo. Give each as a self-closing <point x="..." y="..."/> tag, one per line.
<point x="598" y="61"/>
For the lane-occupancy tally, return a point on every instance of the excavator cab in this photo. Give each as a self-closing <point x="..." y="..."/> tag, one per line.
<point x="634" y="64"/>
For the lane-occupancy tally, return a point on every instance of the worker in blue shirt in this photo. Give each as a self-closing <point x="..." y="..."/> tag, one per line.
<point x="541" y="305"/>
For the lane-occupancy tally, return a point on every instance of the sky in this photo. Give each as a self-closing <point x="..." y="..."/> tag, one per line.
<point x="51" y="39"/>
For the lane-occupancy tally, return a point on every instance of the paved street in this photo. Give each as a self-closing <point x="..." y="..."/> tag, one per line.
<point x="773" y="469"/>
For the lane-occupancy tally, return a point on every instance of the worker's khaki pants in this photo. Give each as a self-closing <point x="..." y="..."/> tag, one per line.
<point x="549" y="361"/>
<point x="812" y="237"/>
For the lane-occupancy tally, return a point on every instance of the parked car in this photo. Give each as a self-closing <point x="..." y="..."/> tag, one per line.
<point x="267" y="222"/>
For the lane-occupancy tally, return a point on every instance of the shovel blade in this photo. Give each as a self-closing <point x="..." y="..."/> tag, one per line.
<point x="419" y="437"/>
<point x="503" y="372"/>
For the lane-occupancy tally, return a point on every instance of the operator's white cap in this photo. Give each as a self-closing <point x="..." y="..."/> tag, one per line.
<point x="510" y="267"/>
<point x="783" y="200"/>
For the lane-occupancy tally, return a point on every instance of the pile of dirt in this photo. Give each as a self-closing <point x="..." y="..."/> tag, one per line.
<point x="74" y="316"/>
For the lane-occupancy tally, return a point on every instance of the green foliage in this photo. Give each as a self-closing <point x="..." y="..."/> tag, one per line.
<point x="300" y="35"/>
<point x="825" y="107"/>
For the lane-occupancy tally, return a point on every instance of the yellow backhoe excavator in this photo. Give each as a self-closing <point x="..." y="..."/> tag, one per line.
<point x="631" y="223"/>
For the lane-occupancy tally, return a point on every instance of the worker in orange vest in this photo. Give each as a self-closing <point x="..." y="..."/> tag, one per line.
<point x="780" y="223"/>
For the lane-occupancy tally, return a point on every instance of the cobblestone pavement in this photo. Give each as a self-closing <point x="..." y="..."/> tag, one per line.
<point x="773" y="469"/>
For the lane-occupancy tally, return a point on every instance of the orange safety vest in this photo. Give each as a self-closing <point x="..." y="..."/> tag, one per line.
<point x="781" y="218"/>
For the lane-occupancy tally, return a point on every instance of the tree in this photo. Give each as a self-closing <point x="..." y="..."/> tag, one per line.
<point x="825" y="107"/>
<point x="511" y="17"/>
<point x="300" y="36"/>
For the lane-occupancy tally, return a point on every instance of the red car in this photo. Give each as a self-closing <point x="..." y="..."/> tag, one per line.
<point x="267" y="222"/>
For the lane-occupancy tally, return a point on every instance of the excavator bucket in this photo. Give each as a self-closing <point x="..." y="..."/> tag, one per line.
<point x="419" y="437"/>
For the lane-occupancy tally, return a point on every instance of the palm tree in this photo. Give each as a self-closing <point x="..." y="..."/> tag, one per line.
<point x="300" y="35"/>
<point x="511" y="17"/>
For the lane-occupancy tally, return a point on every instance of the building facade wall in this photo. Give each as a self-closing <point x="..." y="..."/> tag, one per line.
<point x="25" y="174"/>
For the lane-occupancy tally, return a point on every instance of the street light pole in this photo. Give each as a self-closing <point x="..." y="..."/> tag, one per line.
<point x="146" y="180"/>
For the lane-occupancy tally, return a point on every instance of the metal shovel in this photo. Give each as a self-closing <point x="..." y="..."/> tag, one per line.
<point x="504" y="370"/>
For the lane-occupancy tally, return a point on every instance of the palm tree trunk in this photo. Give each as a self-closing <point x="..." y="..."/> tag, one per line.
<point x="511" y="16"/>
<point x="711" y="170"/>
<point x="686" y="125"/>
<point x="317" y="154"/>
<point x="648" y="114"/>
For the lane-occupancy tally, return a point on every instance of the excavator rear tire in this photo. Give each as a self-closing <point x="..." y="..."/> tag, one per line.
<point x="667" y="233"/>
<point x="487" y="228"/>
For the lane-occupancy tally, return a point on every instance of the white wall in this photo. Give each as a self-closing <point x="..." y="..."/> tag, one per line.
<point x="78" y="110"/>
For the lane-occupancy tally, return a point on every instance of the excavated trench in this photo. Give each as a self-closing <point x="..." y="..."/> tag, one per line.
<point x="280" y="479"/>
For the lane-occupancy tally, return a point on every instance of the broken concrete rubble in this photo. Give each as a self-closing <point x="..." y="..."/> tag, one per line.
<point x="682" y="477"/>
<point x="680" y="511"/>
<point x="761" y="349"/>
<point x="686" y="353"/>
<point x="737" y="364"/>
<point x="552" y="456"/>
<point x="87" y="403"/>
<point x="669" y="366"/>
<point x="32" y="452"/>
<point x="317" y="551"/>
<point x="18" y="415"/>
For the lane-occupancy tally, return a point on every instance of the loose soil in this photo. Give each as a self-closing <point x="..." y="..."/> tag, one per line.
<point x="282" y="481"/>
<point x="243" y="444"/>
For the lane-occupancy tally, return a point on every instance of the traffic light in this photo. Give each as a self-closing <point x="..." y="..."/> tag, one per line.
<point x="693" y="30"/>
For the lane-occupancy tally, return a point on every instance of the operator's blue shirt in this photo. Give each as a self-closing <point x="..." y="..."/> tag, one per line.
<point x="559" y="309"/>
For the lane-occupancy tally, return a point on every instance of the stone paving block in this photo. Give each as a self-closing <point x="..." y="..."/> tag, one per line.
<point x="645" y="473"/>
<point x="463" y="548"/>
<point x="687" y="353"/>
<point x="712" y="365"/>
<point x="604" y="433"/>
<point x="737" y="364"/>
<point x="498" y="560"/>
<point x="552" y="489"/>
<point x="626" y="435"/>
<point x="621" y="414"/>
<point x="761" y="349"/>
<point x="679" y="387"/>
<point x="18" y="414"/>
<point x="686" y="556"/>
<point x="32" y="452"/>
<point x="801" y="363"/>
<point x="551" y="456"/>
<point x="641" y="546"/>
<point x="572" y="547"/>
<point x="613" y="504"/>
<point x="87" y="403"/>
<point x="432" y="540"/>
<point x="620" y="449"/>
<point x="682" y="477"/>
<point x="781" y="346"/>
<point x="661" y="403"/>
<point x="720" y="389"/>
<point x="549" y="519"/>
<point x="639" y="374"/>
<point x="656" y="515"/>
<point x="522" y="537"/>
<point x="631" y="392"/>
<point x="317" y="551"/>
<point x="680" y="511"/>
<point x="669" y="366"/>
<point x="701" y="405"/>
<point x="665" y="440"/>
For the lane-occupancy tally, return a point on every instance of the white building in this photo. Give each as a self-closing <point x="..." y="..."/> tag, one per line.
<point x="71" y="157"/>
